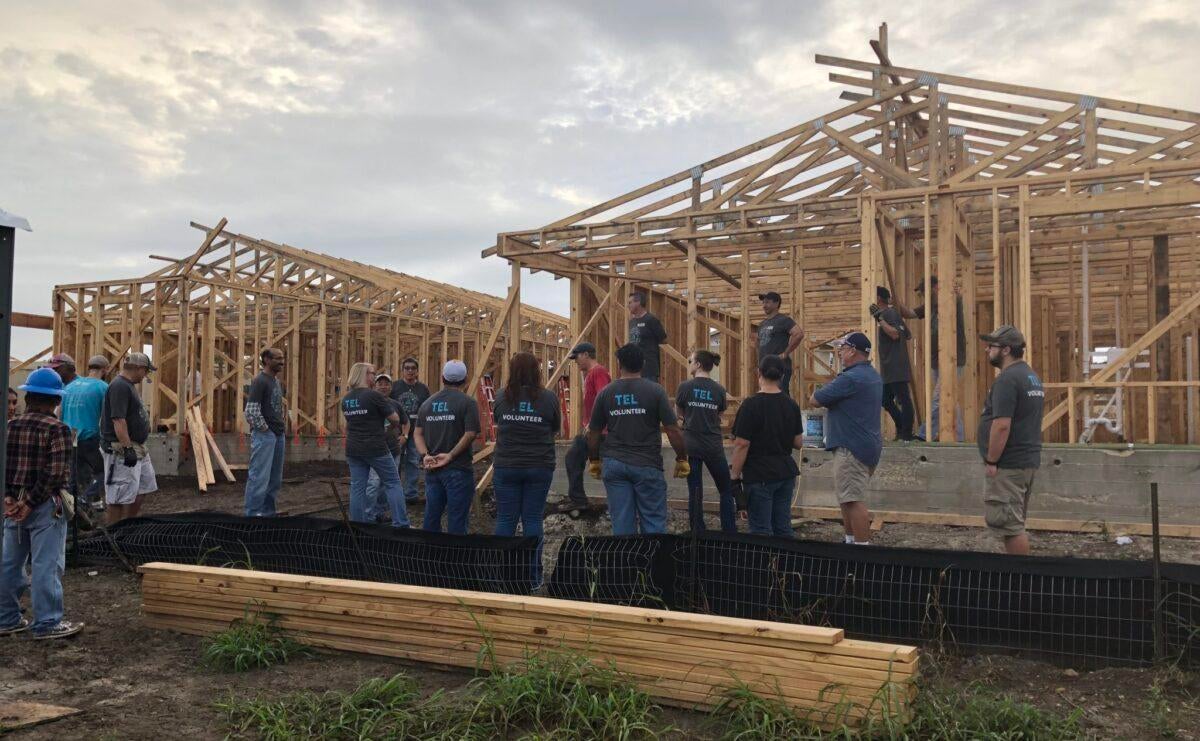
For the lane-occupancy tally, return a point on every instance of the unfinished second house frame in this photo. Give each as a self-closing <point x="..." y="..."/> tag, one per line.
<point x="204" y="318"/>
<point x="1071" y="216"/>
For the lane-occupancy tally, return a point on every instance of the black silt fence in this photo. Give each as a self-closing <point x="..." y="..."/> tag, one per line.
<point x="318" y="547"/>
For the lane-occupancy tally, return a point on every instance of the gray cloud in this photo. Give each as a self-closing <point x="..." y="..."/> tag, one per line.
<point x="409" y="134"/>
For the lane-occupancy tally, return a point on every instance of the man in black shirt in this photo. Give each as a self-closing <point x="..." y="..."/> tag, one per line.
<point x="768" y="426"/>
<point x="124" y="429"/>
<point x="1010" y="437"/>
<point x="397" y="436"/>
<point x="446" y="425"/>
<point x="894" y="364"/>
<point x="268" y="434"/>
<point x="778" y="334"/>
<point x="634" y="410"/>
<point x="411" y="394"/>
<point x="647" y="332"/>
<point x="960" y="353"/>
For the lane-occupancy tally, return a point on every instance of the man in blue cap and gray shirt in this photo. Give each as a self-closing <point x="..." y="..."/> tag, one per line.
<point x="852" y="431"/>
<point x="446" y="425"/>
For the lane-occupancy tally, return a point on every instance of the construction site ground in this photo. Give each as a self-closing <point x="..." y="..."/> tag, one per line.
<point x="134" y="682"/>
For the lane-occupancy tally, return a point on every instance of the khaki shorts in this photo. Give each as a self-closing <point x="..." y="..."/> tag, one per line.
<point x="124" y="484"/>
<point x="850" y="477"/>
<point x="1006" y="499"/>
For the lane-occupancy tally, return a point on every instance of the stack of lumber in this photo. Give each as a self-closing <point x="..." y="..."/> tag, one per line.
<point x="680" y="658"/>
<point x="202" y="442"/>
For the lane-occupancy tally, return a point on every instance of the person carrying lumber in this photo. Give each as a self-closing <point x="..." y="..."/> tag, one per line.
<point x="767" y="428"/>
<point x="700" y="401"/>
<point x="647" y="332"/>
<point x="1010" y="437"/>
<point x="595" y="378"/>
<point x="83" y="398"/>
<point x="853" y="432"/>
<point x="411" y="393"/>
<point x="124" y="429"/>
<point x="778" y="334"/>
<point x="268" y="435"/>
<point x="446" y="425"/>
<point x="960" y="345"/>
<point x="894" y="364"/>
<point x="37" y="508"/>
<point x="367" y="412"/>
<point x="634" y="410"/>
<point x="528" y="418"/>
<point x="397" y="437"/>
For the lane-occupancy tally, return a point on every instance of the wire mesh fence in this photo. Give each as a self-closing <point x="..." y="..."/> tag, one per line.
<point x="1076" y="612"/>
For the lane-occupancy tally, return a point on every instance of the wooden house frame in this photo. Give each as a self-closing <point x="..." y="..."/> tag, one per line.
<point x="1071" y="216"/>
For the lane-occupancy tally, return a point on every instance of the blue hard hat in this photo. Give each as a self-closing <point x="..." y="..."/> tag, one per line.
<point x="43" y="381"/>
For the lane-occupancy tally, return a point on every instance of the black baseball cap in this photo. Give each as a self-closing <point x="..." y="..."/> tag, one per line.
<point x="586" y="347"/>
<point x="857" y="340"/>
<point x="1005" y="334"/>
<point x="770" y="296"/>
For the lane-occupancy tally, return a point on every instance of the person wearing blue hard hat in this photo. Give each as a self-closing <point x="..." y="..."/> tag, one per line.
<point x="36" y="510"/>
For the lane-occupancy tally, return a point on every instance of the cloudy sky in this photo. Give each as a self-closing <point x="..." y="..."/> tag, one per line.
<point x="407" y="135"/>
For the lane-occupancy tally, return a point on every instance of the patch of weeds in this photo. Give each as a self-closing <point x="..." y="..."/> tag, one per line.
<point x="249" y="644"/>
<point x="743" y="714"/>
<point x="976" y="713"/>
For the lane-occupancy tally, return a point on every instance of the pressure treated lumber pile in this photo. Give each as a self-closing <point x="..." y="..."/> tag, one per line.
<point x="680" y="658"/>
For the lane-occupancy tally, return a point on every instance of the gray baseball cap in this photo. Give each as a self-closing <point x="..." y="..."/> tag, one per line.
<point x="140" y="359"/>
<point x="1005" y="334"/>
<point x="98" y="361"/>
<point x="454" y="371"/>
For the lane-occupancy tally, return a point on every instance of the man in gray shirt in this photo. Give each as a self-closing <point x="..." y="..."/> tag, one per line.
<point x="894" y="364"/>
<point x="634" y="411"/>
<point x="778" y="334"/>
<point x="1010" y="437"/>
<point x="647" y="332"/>
<point x="268" y="435"/>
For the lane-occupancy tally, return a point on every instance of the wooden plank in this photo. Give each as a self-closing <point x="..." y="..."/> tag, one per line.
<point x="220" y="457"/>
<point x="16" y="714"/>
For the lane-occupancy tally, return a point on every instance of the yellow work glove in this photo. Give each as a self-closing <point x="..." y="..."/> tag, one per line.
<point x="594" y="468"/>
<point x="682" y="469"/>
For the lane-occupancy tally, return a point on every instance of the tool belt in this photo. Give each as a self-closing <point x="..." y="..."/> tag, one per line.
<point x="116" y="448"/>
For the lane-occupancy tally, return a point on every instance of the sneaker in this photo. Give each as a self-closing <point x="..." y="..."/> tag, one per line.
<point x="62" y="630"/>
<point x="20" y="627"/>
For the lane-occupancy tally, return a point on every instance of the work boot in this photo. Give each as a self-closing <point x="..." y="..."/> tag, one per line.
<point x="62" y="630"/>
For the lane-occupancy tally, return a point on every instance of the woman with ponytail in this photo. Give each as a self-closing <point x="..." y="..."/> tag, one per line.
<point x="701" y="400"/>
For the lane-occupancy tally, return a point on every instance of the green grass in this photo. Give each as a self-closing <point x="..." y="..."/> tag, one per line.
<point x="249" y="644"/>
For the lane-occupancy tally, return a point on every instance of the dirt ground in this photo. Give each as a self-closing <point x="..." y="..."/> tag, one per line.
<point x="134" y="683"/>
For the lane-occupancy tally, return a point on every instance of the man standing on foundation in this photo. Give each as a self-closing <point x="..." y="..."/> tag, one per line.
<point x="647" y="332"/>
<point x="778" y="334"/>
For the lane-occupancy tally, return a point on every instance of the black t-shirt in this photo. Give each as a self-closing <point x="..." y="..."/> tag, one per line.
<point x="773" y="336"/>
<point x="525" y="430"/>
<point x="444" y="418"/>
<point x="265" y="391"/>
<point x="960" y="339"/>
<point x="702" y="401"/>
<point x="894" y="364"/>
<point x="634" y="411"/>
<point x="366" y="412"/>
<point x="121" y="401"/>
<point x="393" y="434"/>
<point x="647" y="333"/>
<point x="410" y="397"/>
<point x="770" y="422"/>
<point x="1016" y="393"/>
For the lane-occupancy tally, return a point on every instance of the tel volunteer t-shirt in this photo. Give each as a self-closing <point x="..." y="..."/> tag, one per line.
<point x="366" y="411"/>
<point x="894" y="364"/>
<point x="121" y="401"/>
<point x="443" y="419"/>
<point x="770" y="422"/>
<point x="82" y="402"/>
<point x="647" y="333"/>
<point x="525" y="430"/>
<point x="266" y="393"/>
<point x="702" y="401"/>
<point x="633" y="410"/>
<point x="773" y="335"/>
<point x="1017" y="394"/>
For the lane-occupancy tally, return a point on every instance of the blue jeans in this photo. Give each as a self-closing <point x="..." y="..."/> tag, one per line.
<point x="264" y="475"/>
<point x="384" y="467"/>
<point x="42" y="536"/>
<point x="521" y="494"/>
<point x="377" y="503"/>
<point x="718" y="468"/>
<point x="935" y="406"/>
<point x="637" y="497"/>
<point x="770" y="507"/>
<point x="410" y="468"/>
<point x="448" y="490"/>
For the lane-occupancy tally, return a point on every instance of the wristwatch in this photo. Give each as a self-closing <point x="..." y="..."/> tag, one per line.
<point x="986" y="462"/>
